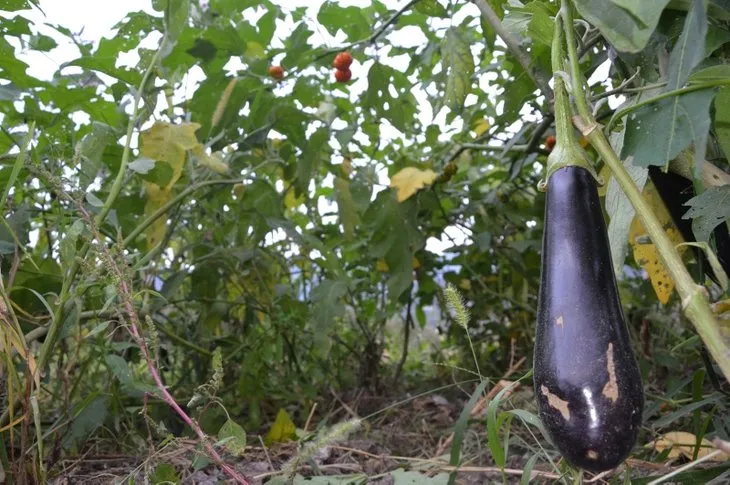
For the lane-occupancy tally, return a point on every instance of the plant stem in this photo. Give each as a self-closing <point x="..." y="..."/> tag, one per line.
<point x="694" y="297"/>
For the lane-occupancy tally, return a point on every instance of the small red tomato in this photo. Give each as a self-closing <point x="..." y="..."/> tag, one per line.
<point x="277" y="72"/>
<point x="343" y="76"/>
<point x="342" y="61"/>
<point x="550" y="143"/>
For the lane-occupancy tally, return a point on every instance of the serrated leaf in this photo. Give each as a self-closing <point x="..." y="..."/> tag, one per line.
<point x="410" y="180"/>
<point x="459" y="64"/>
<point x="326" y="308"/>
<point x="708" y="210"/>
<point x="119" y="368"/>
<point x="645" y="253"/>
<point x="657" y="132"/>
<point x="309" y="161"/>
<point x="234" y="437"/>
<point x="627" y="24"/>
<point x="164" y="474"/>
<point x="282" y="430"/>
<point x="690" y="48"/>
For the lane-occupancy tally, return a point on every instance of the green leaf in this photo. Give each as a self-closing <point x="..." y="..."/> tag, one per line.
<point x="15" y="5"/>
<point x="68" y="243"/>
<point x="348" y="19"/>
<point x="722" y="119"/>
<point x="715" y="38"/>
<point x="119" y="368"/>
<point x="309" y="161"/>
<point x="89" y="415"/>
<point x="460" y="428"/>
<point x="541" y="25"/>
<point x="432" y="8"/>
<point x="91" y="149"/>
<point x="627" y="24"/>
<point x="349" y="217"/>
<point x="233" y="437"/>
<point x="282" y="430"/>
<point x="619" y="208"/>
<point x="176" y="19"/>
<point x="657" y="132"/>
<point x="42" y="43"/>
<point x="327" y="307"/>
<point x="708" y="210"/>
<point x="165" y="474"/>
<point x="459" y="63"/>
<point x="690" y="48"/>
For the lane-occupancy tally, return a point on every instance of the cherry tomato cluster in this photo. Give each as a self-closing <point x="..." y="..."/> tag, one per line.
<point x="342" y="63"/>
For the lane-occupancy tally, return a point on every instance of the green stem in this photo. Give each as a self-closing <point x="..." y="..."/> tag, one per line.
<point x="694" y="297"/>
<point x="169" y="204"/>
<point x="567" y="151"/>
<point x="668" y="94"/>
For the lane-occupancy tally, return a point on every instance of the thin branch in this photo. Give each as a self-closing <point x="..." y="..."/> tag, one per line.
<point x="513" y="44"/>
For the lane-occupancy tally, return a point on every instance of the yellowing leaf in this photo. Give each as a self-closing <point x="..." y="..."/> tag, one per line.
<point x="415" y="263"/>
<point x="214" y="161"/>
<point x="349" y="217"/>
<point x="465" y="284"/>
<point x="410" y="180"/>
<point x="282" y="430"/>
<point x="381" y="266"/>
<point x="166" y="142"/>
<point x="481" y="126"/>
<point x="223" y="102"/>
<point x="681" y="443"/>
<point x="646" y="254"/>
<point x="169" y="143"/>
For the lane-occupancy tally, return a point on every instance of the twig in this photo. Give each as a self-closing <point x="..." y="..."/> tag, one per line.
<point x="309" y="418"/>
<point x="513" y="44"/>
<point x="406" y="337"/>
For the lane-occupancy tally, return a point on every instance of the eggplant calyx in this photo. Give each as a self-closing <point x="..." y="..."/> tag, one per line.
<point x="567" y="155"/>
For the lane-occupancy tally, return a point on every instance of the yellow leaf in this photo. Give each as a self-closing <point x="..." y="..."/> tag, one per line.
<point x="291" y="200"/>
<point x="381" y="266"/>
<point x="282" y="430"/>
<point x="646" y="254"/>
<point x="156" y="198"/>
<point x="681" y="443"/>
<point x="410" y="180"/>
<point x="223" y="102"/>
<point x="480" y="126"/>
<point x="166" y="142"/>
<point x="465" y="284"/>
<point x="214" y="161"/>
<point x="415" y="263"/>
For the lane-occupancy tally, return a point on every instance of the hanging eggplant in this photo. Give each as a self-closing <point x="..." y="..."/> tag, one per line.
<point x="587" y="383"/>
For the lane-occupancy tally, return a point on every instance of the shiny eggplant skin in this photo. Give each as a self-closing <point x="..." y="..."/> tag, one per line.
<point x="588" y="386"/>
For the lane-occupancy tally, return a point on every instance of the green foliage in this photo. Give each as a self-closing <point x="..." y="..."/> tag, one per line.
<point x="254" y="222"/>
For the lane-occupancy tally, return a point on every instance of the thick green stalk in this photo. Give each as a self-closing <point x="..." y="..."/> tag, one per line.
<point x="694" y="297"/>
<point x="567" y="151"/>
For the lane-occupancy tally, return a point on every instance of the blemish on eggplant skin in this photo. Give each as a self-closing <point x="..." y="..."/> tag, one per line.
<point x="610" y="390"/>
<point x="592" y="455"/>
<point x="559" y="321"/>
<point x="555" y="402"/>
